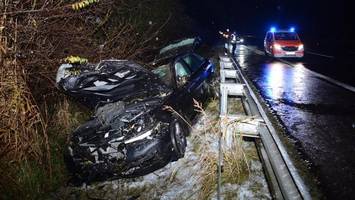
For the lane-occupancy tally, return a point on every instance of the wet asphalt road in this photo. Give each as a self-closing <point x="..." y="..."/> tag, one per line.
<point x="318" y="114"/>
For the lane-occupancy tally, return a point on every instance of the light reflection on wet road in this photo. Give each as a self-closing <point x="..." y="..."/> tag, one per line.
<point x="317" y="113"/>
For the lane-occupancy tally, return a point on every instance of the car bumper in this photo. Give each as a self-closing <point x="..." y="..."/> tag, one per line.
<point x="108" y="158"/>
<point x="289" y="54"/>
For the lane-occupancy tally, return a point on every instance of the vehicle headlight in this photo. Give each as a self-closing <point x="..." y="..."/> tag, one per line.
<point x="242" y="40"/>
<point x="277" y="46"/>
<point x="300" y="47"/>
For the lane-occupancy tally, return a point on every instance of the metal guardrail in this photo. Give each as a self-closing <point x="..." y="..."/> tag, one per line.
<point x="284" y="179"/>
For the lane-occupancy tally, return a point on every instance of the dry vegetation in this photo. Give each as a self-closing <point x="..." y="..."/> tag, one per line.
<point x="235" y="159"/>
<point x="35" y="35"/>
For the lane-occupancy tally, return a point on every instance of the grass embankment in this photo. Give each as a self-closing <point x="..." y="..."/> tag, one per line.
<point x="236" y="158"/>
<point x="35" y="36"/>
<point x="237" y="154"/>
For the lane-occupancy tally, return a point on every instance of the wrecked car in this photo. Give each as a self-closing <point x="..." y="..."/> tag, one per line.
<point x="139" y="122"/>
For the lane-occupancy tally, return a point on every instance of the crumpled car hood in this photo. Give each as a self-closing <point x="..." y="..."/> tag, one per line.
<point x="130" y="133"/>
<point x="110" y="81"/>
<point x="120" y="141"/>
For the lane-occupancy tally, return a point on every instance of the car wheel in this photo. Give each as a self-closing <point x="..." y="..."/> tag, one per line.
<point x="178" y="138"/>
<point x="208" y="89"/>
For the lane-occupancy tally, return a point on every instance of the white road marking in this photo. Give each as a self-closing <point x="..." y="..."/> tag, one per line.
<point x="335" y="82"/>
<point x="318" y="54"/>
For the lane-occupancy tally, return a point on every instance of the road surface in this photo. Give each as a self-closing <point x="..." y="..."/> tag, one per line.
<point x="317" y="108"/>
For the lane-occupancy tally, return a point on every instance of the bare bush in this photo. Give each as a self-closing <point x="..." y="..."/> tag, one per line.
<point x="22" y="132"/>
<point x="35" y="35"/>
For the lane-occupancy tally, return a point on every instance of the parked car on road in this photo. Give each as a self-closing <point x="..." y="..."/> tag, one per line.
<point x="283" y="43"/>
<point x="137" y="126"/>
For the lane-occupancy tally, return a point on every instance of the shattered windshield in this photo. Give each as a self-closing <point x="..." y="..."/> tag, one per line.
<point x="164" y="74"/>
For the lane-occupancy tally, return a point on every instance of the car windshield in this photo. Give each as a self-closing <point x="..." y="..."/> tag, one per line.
<point x="164" y="74"/>
<point x="285" y="36"/>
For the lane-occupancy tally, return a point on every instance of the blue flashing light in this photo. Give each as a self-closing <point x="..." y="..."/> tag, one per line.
<point x="272" y="29"/>
<point x="292" y="29"/>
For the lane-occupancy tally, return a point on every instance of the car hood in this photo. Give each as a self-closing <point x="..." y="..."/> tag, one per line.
<point x="288" y="42"/>
<point x="110" y="81"/>
<point x="118" y="141"/>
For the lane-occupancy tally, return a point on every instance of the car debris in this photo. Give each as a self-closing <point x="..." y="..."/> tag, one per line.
<point x="130" y="133"/>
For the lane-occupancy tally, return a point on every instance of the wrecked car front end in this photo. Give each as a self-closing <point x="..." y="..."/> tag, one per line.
<point x="109" y="81"/>
<point x="123" y="141"/>
<point x="130" y="134"/>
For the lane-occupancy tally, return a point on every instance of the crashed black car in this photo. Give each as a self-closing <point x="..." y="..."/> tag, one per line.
<point x="138" y="125"/>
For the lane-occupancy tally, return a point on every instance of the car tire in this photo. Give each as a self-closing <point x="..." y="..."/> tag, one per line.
<point x="178" y="134"/>
<point x="208" y="89"/>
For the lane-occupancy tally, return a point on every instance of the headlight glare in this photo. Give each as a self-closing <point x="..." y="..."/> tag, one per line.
<point x="300" y="47"/>
<point x="277" y="46"/>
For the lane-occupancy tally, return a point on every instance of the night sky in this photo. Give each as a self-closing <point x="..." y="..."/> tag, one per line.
<point x="316" y="21"/>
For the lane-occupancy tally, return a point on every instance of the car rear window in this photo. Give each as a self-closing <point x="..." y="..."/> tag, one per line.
<point x="285" y="36"/>
<point x="193" y="61"/>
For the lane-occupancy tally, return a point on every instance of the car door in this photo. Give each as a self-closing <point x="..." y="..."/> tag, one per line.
<point x="268" y="42"/>
<point x="271" y="42"/>
<point x="195" y="63"/>
<point x="182" y="98"/>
